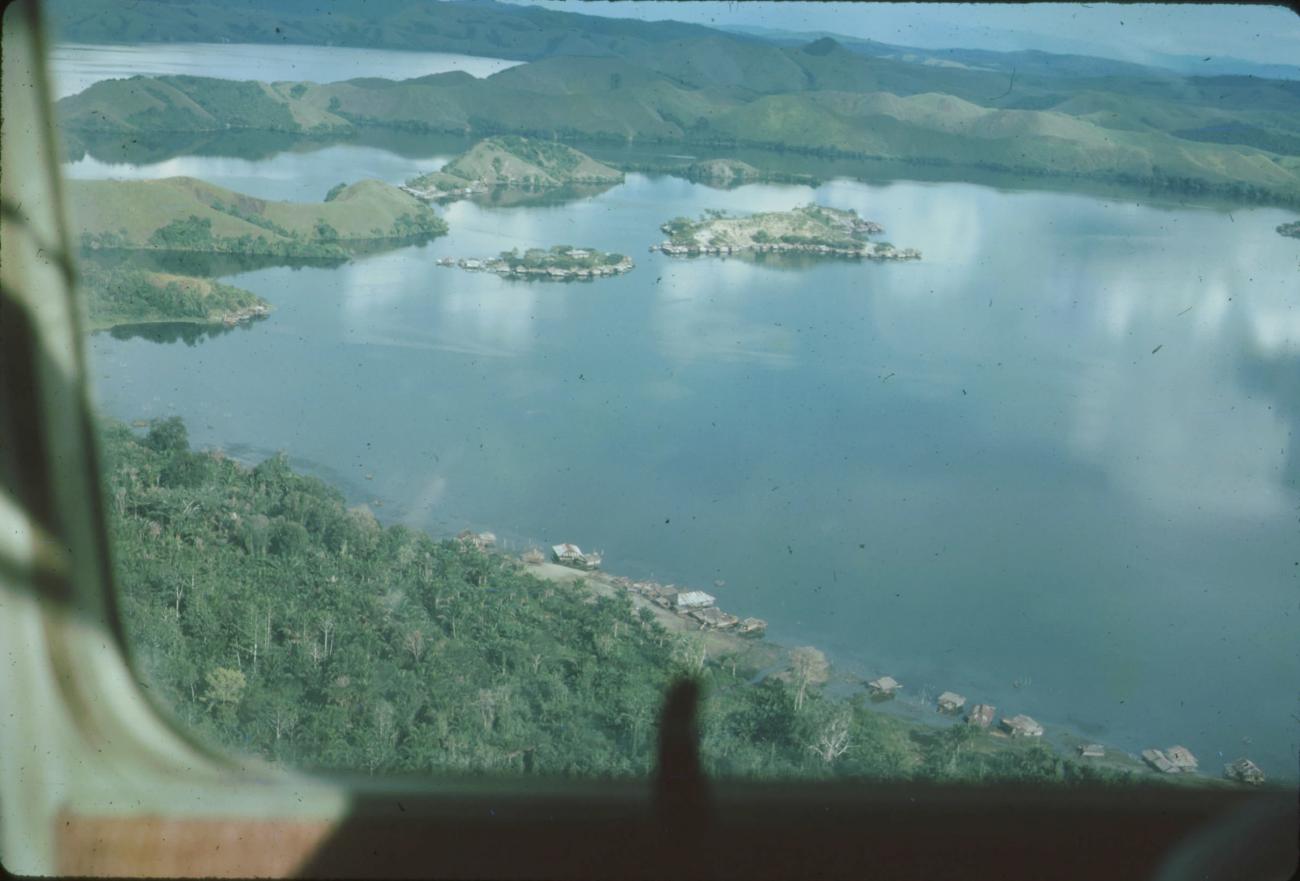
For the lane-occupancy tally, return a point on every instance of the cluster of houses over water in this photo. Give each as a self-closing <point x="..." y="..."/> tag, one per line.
<point x="696" y="605"/>
<point x="502" y="267"/>
<point x="434" y="193"/>
<point x="701" y="608"/>
<point x="952" y="704"/>
<point x="867" y="250"/>
<point x="248" y="313"/>
<point x="1174" y="760"/>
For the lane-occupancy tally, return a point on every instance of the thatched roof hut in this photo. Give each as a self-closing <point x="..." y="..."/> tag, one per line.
<point x="951" y="702"/>
<point x="694" y="599"/>
<point x="1182" y="757"/>
<point x="713" y="617"/>
<point x="1022" y="726"/>
<point x="571" y="555"/>
<point x="1245" y="771"/>
<point x="1092" y="751"/>
<point x="1156" y="759"/>
<point x="752" y="627"/>
<point x="885" y="686"/>
<point x="981" y="715"/>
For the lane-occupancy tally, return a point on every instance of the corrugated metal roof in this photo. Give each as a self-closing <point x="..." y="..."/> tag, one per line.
<point x="695" y="598"/>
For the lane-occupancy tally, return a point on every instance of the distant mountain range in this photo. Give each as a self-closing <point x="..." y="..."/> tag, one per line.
<point x="1040" y="61"/>
<point x="527" y="33"/>
<point x="472" y="27"/>
<point x="629" y="81"/>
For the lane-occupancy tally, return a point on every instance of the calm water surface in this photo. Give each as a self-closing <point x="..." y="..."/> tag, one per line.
<point x="78" y="66"/>
<point x="1060" y="449"/>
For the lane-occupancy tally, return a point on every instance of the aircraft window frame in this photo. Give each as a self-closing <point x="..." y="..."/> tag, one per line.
<point x="106" y="782"/>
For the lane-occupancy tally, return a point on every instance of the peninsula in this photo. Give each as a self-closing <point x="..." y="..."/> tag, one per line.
<point x="808" y="229"/>
<point x="124" y="295"/>
<point x="186" y="214"/>
<point x="512" y="162"/>
<point x="1229" y="137"/>
<point x="559" y="263"/>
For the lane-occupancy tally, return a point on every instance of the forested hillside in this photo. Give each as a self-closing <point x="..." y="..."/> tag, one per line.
<point x="501" y="30"/>
<point x="1235" y="136"/>
<point x="273" y="619"/>
<point x="117" y="295"/>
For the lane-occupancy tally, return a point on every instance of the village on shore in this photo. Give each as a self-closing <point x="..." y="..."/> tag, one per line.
<point x="699" y="610"/>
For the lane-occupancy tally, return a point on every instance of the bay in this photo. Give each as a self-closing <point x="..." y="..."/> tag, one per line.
<point x="1051" y="466"/>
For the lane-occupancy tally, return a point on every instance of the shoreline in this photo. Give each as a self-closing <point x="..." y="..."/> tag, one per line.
<point x="768" y="658"/>
<point x="244" y="316"/>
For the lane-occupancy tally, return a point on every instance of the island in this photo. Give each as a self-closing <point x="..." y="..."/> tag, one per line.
<point x="1290" y="229"/>
<point x="190" y="215"/>
<point x="807" y="229"/>
<point x="126" y="295"/>
<point x="561" y="262"/>
<point x="819" y="100"/>
<point x="723" y="173"/>
<point x="512" y="162"/>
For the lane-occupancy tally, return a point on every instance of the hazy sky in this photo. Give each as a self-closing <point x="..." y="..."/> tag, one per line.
<point x="1268" y="34"/>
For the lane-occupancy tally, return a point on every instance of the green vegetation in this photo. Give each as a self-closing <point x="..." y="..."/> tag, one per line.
<point x="277" y="621"/>
<point x="184" y="214"/>
<point x="513" y="161"/>
<point x="1232" y="136"/>
<point x="723" y="172"/>
<point x="197" y="104"/>
<point x="560" y="257"/>
<point x="809" y="227"/>
<point x="497" y="30"/>
<point x="126" y="295"/>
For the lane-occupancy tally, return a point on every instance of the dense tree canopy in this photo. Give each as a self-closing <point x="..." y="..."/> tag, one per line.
<point x="277" y="621"/>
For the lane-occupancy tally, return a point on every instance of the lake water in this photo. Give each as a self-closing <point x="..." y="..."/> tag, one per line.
<point x="1061" y="449"/>
<point x="78" y="66"/>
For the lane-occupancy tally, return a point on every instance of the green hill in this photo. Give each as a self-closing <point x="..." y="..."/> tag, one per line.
<point x="128" y="295"/>
<point x="940" y="129"/>
<point x="512" y="161"/>
<point x="194" y="104"/>
<point x="723" y="172"/>
<point x="184" y="214"/>
<point x="309" y="634"/>
<point x="1236" y="136"/>
<point x="500" y="30"/>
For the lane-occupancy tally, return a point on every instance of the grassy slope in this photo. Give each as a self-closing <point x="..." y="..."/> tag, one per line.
<point x="185" y="103"/>
<point x="944" y="129"/>
<point x="136" y="210"/>
<point x="498" y="30"/>
<point x="512" y="159"/>
<point x="819" y="97"/>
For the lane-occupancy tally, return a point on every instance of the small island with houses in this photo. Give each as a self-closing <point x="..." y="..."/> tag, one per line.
<point x="807" y="229"/>
<point x="559" y="263"/>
